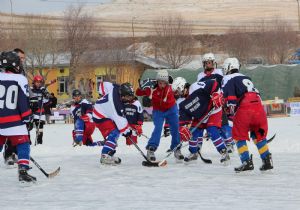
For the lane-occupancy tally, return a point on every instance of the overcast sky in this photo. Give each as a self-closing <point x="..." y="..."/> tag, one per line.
<point x="41" y="6"/>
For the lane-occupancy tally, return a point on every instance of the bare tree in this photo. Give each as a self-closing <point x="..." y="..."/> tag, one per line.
<point x="41" y="44"/>
<point x="238" y="43"/>
<point x="173" y="37"/>
<point x="78" y="33"/>
<point x="275" y="41"/>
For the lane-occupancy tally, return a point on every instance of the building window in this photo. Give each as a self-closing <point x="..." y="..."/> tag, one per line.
<point x="62" y="85"/>
<point x="104" y="78"/>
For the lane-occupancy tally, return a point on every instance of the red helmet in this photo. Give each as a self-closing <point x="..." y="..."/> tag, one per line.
<point x="38" y="78"/>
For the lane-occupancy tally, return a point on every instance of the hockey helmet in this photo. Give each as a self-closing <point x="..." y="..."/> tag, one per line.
<point x="208" y="57"/>
<point x="10" y="61"/>
<point x="162" y="75"/>
<point x="231" y="64"/>
<point x="178" y="84"/>
<point x="76" y="93"/>
<point x="126" y="89"/>
<point x="38" y="78"/>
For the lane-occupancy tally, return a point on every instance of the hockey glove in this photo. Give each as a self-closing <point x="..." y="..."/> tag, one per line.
<point x="138" y="129"/>
<point x="185" y="134"/>
<point x="166" y="131"/>
<point x="148" y="83"/>
<point x="127" y="133"/>
<point x="85" y="118"/>
<point x="217" y="99"/>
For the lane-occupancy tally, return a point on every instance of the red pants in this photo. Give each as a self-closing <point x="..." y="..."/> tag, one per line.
<point x="15" y="140"/>
<point x="250" y="116"/>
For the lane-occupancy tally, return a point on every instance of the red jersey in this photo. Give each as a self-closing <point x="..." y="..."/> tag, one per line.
<point x="162" y="99"/>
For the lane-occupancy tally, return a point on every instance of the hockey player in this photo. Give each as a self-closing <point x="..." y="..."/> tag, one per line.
<point x="164" y="108"/>
<point x="38" y="98"/>
<point x="243" y="102"/>
<point x="9" y="153"/>
<point x="83" y="124"/>
<point x="15" y="112"/>
<point x="135" y="118"/>
<point x="210" y="72"/>
<point x="110" y="119"/>
<point x="194" y="108"/>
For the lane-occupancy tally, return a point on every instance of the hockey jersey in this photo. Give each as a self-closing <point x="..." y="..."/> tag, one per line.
<point x="105" y="88"/>
<point x="14" y="104"/>
<point x="198" y="103"/>
<point x="84" y="107"/>
<point x="134" y="113"/>
<point x="235" y="87"/>
<point x="111" y="107"/>
<point x="38" y="98"/>
<point x="215" y="74"/>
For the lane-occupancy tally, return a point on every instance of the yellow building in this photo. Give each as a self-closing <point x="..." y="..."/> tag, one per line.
<point x="87" y="79"/>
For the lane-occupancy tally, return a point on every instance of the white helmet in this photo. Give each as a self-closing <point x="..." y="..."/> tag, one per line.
<point x="208" y="57"/>
<point x="162" y="75"/>
<point x="230" y="64"/>
<point x="178" y="84"/>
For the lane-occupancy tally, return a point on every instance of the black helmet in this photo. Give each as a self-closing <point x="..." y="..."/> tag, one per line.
<point x="10" y="61"/>
<point x="76" y="92"/>
<point x="126" y="89"/>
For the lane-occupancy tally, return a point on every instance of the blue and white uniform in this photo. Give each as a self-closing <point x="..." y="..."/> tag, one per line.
<point x="14" y="114"/>
<point x="195" y="107"/>
<point x="110" y="119"/>
<point x="81" y="112"/>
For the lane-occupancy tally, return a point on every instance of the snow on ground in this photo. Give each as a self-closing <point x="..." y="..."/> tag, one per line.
<point x="85" y="184"/>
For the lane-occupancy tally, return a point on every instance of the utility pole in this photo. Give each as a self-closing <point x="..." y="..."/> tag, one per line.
<point x="298" y="16"/>
<point x="11" y="16"/>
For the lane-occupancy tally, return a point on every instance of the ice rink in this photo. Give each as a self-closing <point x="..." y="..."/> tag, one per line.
<point x="85" y="184"/>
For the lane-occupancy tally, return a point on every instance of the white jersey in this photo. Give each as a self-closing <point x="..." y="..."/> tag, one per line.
<point x="105" y="88"/>
<point x="111" y="107"/>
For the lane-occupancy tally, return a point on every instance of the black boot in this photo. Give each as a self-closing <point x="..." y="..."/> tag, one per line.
<point x="267" y="163"/>
<point x="246" y="166"/>
<point x="24" y="177"/>
<point x="40" y="138"/>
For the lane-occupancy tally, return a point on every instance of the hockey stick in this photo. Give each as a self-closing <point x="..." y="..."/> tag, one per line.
<point x="48" y="175"/>
<point x="271" y="139"/>
<point x="180" y="144"/>
<point x="147" y="162"/>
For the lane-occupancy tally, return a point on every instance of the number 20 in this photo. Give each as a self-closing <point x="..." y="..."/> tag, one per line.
<point x="11" y="96"/>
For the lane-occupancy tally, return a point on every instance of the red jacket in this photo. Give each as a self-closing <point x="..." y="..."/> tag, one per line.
<point x="162" y="99"/>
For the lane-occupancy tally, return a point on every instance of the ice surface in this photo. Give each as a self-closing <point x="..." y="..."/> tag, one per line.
<point x="85" y="184"/>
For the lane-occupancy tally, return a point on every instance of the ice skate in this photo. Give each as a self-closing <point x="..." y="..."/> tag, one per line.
<point x="267" y="163"/>
<point x="150" y="154"/>
<point x="191" y="158"/>
<point x="106" y="159"/>
<point x="246" y="166"/>
<point x="225" y="159"/>
<point x="24" y="177"/>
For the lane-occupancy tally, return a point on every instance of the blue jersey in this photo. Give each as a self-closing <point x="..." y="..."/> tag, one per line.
<point x="134" y="113"/>
<point x="14" y="104"/>
<point x="216" y="74"/>
<point x="235" y="86"/>
<point x="84" y="107"/>
<point x="198" y="103"/>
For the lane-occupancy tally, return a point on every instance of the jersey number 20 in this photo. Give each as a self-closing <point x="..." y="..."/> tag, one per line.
<point x="10" y="101"/>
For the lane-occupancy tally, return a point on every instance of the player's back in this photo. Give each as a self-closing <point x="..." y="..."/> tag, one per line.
<point x="14" y="104"/>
